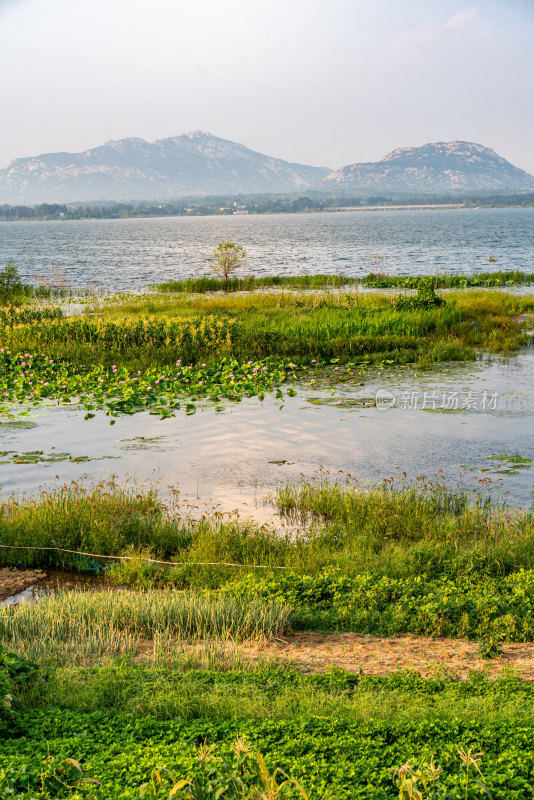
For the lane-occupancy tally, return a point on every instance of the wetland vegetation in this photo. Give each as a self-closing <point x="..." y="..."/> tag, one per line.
<point x="160" y="353"/>
<point x="136" y="680"/>
<point x="372" y="280"/>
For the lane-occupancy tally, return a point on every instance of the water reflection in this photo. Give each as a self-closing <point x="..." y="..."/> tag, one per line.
<point x="234" y="459"/>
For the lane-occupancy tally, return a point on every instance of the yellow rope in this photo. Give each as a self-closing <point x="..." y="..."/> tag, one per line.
<point x="143" y="558"/>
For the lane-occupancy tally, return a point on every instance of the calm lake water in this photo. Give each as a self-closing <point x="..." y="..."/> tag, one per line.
<point x="454" y="424"/>
<point x="133" y="253"/>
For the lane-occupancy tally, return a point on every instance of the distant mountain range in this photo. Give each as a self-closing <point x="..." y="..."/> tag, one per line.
<point x="196" y="163"/>
<point x="444" y="167"/>
<point x="199" y="163"/>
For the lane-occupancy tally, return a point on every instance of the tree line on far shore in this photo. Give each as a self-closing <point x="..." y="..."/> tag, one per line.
<point x="255" y="204"/>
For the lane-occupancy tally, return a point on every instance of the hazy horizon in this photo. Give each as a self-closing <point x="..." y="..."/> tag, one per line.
<point x="316" y="82"/>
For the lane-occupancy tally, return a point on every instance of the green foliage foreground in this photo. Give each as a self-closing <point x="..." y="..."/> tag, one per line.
<point x="335" y="758"/>
<point x="340" y="734"/>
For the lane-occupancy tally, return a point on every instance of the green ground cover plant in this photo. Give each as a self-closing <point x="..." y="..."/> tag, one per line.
<point x="466" y="607"/>
<point x="127" y="728"/>
<point x="241" y="775"/>
<point x="260" y="688"/>
<point x="336" y="758"/>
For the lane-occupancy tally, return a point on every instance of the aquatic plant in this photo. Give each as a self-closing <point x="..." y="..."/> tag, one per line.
<point x="33" y="378"/>
<point x="450" y="280"/>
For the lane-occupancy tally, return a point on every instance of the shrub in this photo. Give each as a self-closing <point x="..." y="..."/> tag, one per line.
<point x="426" y="297"/>
<point x="11" y="286"/>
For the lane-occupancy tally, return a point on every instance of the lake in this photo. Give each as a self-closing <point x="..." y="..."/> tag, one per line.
<point x="133" y="253"/>
<point x="455" y="424"/>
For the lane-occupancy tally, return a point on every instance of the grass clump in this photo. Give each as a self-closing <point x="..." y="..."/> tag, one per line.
<point x="426" y="297"/>
<point x="104" y="519"/>
<point x="108" y="519"/>
<point x="250" y="282"/>
<point x="401" y="529"/>
<point x="80" y="627"/>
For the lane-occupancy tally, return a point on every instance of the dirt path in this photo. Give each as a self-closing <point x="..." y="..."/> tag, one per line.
<point x="13" y="581"/>
<point x="314" y="652"/>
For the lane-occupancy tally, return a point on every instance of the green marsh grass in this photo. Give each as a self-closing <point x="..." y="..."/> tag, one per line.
<point x="257" y="690"/>
<point x="389" y="559"/>
<point x="150" y="332"/>
<point x="250" y="282"/>
<point x="108" y="519"/>
<point x="378" y="280"/>
<point x="398" y="529"/>
<point x="402" y="528"/>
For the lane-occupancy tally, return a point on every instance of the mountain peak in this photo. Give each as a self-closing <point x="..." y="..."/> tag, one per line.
<point x="198" y="134"/>
<point x="456" y="166"/>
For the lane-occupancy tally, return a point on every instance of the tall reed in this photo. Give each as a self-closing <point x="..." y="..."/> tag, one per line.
<point x="75" y="627"/>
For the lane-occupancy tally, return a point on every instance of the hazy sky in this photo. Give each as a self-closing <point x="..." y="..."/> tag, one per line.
<point x="324" y="82"/>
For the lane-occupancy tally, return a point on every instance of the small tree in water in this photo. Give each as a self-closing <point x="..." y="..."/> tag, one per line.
<point x="227" y="258"/>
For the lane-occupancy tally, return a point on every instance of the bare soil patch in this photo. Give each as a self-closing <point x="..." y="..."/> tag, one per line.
<point x="373" y="655"/>
<point x="14" y="581"/>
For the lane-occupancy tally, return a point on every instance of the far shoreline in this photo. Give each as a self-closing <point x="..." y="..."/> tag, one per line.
<point x="336" y="210"/>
